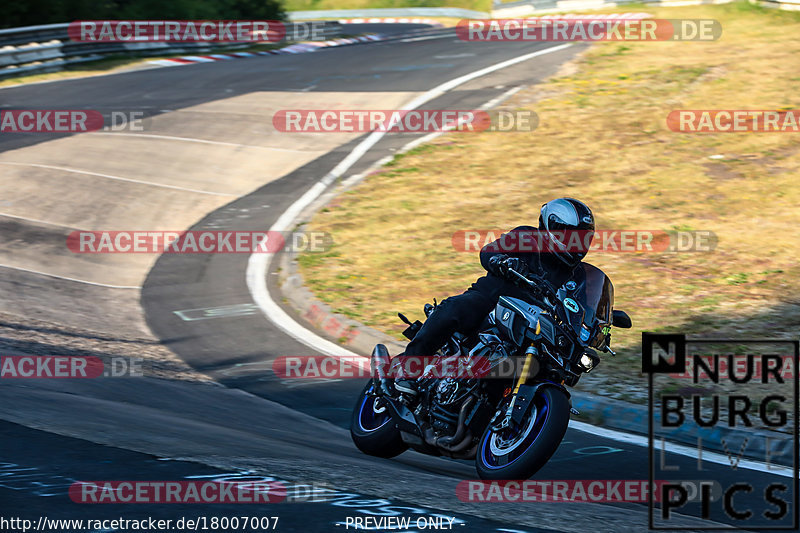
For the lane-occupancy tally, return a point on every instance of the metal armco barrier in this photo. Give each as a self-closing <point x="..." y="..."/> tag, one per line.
<point x="786" y="5"/>
<point x="47" y="48"/>
<point x="522" y="8"/>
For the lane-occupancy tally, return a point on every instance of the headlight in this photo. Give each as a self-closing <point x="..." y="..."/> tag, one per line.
<point x="586" y="362"/>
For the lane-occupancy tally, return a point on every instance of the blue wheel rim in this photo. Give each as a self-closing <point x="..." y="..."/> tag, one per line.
<point x="368" y="419"/>
<point x="488" y="458"/>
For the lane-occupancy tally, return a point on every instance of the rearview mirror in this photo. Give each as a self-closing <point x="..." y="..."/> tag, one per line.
<point x="621" y="319"/>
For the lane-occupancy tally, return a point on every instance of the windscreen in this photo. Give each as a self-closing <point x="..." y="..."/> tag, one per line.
<point x="588" y="298"/>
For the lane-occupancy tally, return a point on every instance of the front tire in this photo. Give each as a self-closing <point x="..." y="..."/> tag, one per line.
<point x="372" y="429"/>
<point x="520" y="455"/>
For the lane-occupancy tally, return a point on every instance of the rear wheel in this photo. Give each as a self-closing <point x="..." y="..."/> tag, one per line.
<point x="520" y="452"/>
<point x="371" y="427"/>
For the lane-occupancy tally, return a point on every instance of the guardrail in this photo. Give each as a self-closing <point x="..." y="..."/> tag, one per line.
<point x="522" y="8"/>
<point x="47" y="48"/>
<point x="786" y="5"/>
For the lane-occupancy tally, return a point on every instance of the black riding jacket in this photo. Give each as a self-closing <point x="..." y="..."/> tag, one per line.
<point x="516" y="243"/>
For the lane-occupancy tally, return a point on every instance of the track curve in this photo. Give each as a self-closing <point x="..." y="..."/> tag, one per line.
<point x="224" y="103"/>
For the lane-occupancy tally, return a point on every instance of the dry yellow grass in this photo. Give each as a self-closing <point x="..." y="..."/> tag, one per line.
<point x="603" y="138"/>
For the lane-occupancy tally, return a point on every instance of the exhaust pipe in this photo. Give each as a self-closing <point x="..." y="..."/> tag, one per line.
<point x="460" y="439"/>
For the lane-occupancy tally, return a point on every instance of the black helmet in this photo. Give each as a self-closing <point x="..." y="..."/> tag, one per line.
<point x="569" y="226"/>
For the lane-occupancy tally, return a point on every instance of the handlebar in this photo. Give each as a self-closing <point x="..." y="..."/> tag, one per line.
<point x="540" y="285"/>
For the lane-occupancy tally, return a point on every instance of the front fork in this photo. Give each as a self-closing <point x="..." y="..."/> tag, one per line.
<point x="530" y="356"/>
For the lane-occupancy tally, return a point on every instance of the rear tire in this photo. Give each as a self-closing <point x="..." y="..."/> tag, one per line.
<point x="520" y="456"/>
<point x="374" y="432"/>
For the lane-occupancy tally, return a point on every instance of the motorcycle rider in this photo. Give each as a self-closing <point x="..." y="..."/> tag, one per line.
<point x="552" y="258"/>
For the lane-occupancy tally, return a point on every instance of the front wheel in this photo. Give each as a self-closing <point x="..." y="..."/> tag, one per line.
<point x="520" y="452"/>
<point x="372" y="429"/>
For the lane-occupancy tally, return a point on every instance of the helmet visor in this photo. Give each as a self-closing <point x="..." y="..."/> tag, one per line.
<point x="569" y="242"/>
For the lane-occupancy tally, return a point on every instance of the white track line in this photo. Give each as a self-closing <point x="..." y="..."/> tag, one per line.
<point x="258" y="264"/>
<point x="71" y="279"/>
<point x="678" y="449"/>
<point x="428" y="38"/>
<point x="37" y="221"/>
<point x="117" y="178"/>
<point x="485" y="107"/>
<point x="355" y="178"/>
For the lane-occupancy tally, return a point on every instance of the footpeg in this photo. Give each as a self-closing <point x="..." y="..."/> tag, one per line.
<point x="406" y="386"/>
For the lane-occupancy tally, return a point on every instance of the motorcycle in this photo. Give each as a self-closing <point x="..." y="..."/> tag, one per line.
<point x="507" y="406"/>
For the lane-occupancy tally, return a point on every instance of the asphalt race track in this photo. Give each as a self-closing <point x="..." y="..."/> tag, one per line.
<point x="295" y="431"/>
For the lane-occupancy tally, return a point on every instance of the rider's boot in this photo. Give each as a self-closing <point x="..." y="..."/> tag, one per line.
<point x="402" y="381"/>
